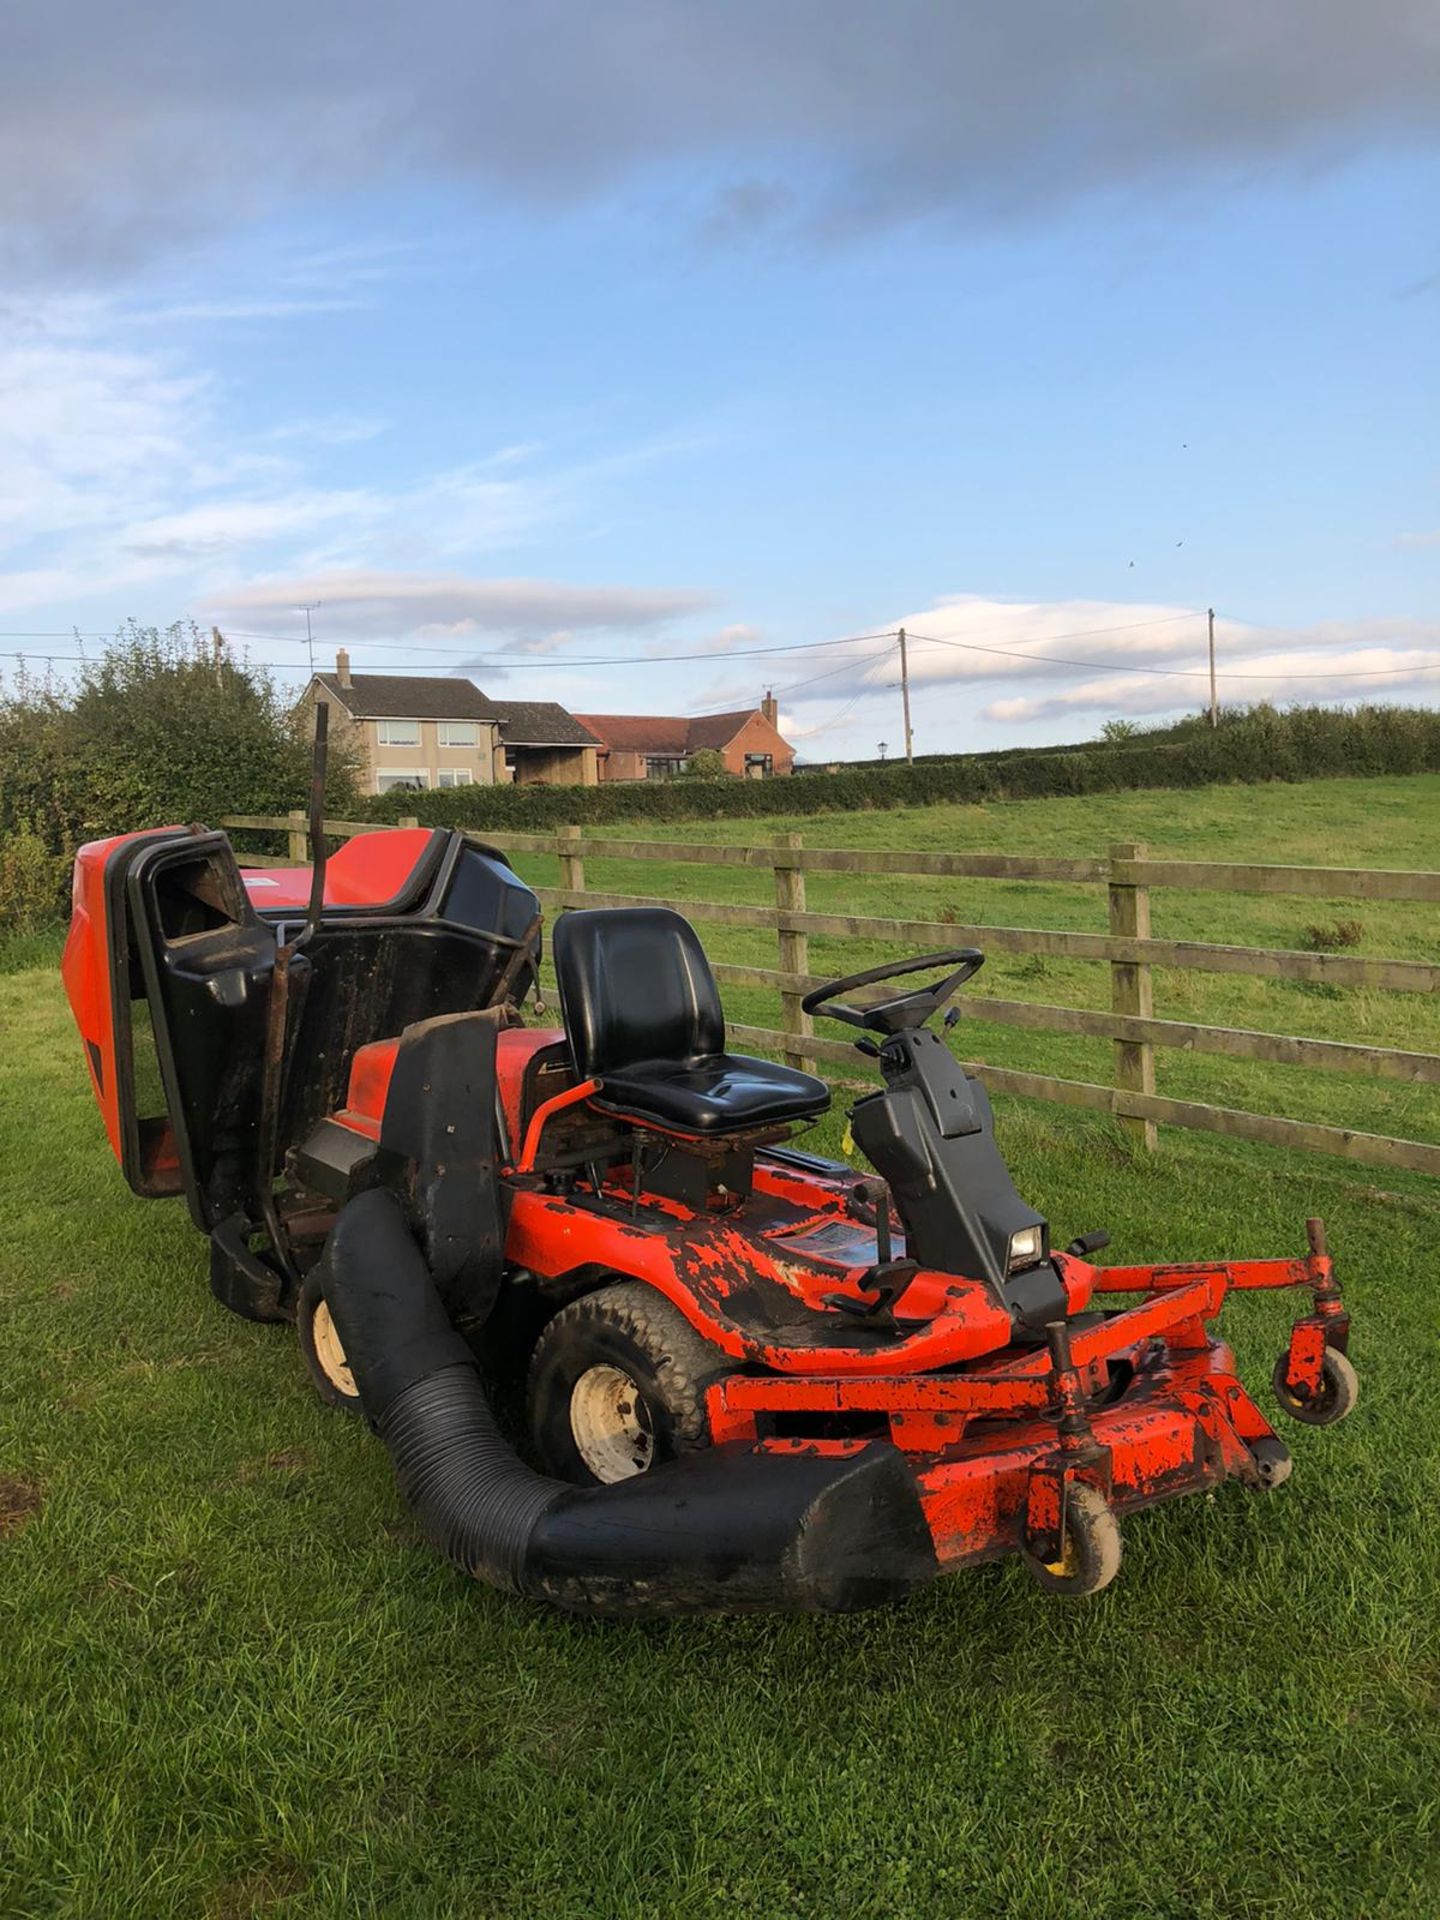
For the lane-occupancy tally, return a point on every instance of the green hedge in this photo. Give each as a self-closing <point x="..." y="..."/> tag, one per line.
<point x="1261" y="744"/>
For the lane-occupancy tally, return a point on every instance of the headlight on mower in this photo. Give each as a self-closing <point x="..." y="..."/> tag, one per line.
<point x="1025" y="1248"/>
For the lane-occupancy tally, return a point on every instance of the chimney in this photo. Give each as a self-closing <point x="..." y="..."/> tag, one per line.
<point x="342" y="667"/>
<point x="770" y="707"/>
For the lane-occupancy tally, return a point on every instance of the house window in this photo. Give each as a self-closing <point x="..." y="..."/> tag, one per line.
<point x="759" y="765"/>
<point x="455" y="777"/>
<point x="402" y="780"/>
<point x="459" y="733"/>
<point x="664" y="766"/>
<point x="398" y="733"/>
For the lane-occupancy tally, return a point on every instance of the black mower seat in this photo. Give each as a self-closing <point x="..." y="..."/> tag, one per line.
<point x="642" y="1013"/>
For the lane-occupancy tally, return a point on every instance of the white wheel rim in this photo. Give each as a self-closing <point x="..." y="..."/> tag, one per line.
<point x="610" y="1423"/>
<point x="330" y="1352"/>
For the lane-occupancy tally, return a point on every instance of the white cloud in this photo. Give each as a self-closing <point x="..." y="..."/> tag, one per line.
<point x="221" y="526"/>
<point x="86" y="433"/>
<point x="1369" y="673"/>
<point x="119" y="478"/>
<point x="364" y="603"/>
<point x="1092" y="655"/>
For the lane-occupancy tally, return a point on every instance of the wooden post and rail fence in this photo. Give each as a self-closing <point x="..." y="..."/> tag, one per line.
<point x="1128" y="874"/>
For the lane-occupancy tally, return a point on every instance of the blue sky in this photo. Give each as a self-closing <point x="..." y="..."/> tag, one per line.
<point x="758" y="372"/>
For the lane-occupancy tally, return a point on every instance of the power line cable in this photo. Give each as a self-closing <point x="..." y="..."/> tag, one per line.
<point x="790" y="686"/>
<point x="480" y="657"/>
<point x="533" y="661"/>
<point x="1183" y="673"/>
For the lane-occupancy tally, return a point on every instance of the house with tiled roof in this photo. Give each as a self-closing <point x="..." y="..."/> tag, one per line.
<point x="418" y="732"/>
<point x="543" y="742"/>
<point x="639" y="746"/>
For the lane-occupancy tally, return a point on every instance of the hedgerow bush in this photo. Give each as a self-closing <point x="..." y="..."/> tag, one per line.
<point x="157" y="731"/>
<point x="1257" y="744"/>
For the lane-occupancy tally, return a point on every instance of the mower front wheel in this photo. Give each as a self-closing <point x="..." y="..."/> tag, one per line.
<point x="1339" y="1390"/>
<point x="324" y="1353"/>
<point x="617" y="1386"/>
<point x="1091" y="1558"/>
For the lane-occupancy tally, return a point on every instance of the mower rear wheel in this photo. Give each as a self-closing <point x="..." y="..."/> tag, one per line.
<point x="1339" y="1390"/>
<point x="323" y="1350"/>
<point x="617" y="1386"/>
<point x="1091" y="1558"/>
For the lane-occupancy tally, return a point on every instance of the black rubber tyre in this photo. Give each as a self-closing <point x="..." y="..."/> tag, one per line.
<point x="1092" y="1546"/>
<point x="1339" y="1391"/>
<point x="617" y="1385"/>
<point x="324" y="1354"/>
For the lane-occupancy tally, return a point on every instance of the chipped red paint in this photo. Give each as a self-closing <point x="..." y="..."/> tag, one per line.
<point x="1305" y="1357"/>
<point x="988" y="1442"/>
<point x="731" y="1286"/>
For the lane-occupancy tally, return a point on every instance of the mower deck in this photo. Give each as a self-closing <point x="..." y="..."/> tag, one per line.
<point x="1156" y="1411"/>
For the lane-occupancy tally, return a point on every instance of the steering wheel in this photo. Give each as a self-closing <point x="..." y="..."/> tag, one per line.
<point x="907" y="1010"/>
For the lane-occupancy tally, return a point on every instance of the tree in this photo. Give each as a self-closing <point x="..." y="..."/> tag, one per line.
<point x="164" y="728"/>
<point x="706" y="763"/>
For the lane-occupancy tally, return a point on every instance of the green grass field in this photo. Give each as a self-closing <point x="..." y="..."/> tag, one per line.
<point x="236" y="1683"/>
<point x="1382" y="823"/>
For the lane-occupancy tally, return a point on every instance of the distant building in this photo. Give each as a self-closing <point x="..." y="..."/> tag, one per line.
<point x="543" y="743"/>
<point x="637" y="746"/>
<point x="418" y="732"/>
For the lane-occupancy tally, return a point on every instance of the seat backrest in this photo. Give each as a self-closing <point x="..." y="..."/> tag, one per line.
<point x="634" y="985"/>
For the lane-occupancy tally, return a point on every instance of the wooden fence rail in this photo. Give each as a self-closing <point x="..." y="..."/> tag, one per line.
<point x="1128" y="949"/>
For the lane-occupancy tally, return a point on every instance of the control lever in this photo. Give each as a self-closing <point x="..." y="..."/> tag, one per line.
<point x="889" y="1277"/>
<point x="1087" y="1243"/>
<point x="876" y="1194"/>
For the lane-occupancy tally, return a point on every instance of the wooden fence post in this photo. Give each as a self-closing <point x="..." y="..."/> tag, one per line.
<point x="572" y="862"/>
<point x="794" y="950"/>
<point x="299" y="839"/>
<point x="1132" y="988"/>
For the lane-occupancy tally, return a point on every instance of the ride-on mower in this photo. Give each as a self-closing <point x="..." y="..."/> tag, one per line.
<point x="754" y="1379"/>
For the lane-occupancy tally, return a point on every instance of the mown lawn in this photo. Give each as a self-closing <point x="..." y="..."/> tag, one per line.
<point x="236" y="1683"/>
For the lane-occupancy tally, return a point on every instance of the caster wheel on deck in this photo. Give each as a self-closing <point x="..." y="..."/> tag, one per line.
<point x="1339" y="1390"/>
<point x="1091" y="1558"/>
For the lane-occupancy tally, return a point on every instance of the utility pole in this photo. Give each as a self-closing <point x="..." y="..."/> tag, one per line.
<point x="905" y="698"/>
<point x="1214" y="703"/>
<point x="307" y="609"/>
<point x="217" y="647"/>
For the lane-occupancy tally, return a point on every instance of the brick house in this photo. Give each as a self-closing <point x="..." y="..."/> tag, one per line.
<point x="424" y="731"/>
<point x="636" y="746"/>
